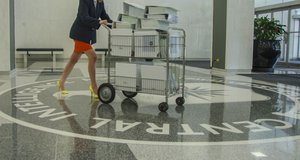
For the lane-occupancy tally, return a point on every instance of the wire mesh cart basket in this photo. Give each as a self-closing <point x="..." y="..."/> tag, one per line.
<point x="148" y="68"/>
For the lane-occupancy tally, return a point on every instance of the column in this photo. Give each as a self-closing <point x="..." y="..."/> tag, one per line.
<point x="7" y="34"/>
<point x="233" y="34"/>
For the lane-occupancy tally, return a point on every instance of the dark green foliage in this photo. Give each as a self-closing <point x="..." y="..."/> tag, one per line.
<point x="267" y="29"/>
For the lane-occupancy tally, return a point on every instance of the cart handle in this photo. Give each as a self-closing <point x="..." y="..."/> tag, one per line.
<point x="107" y="26"/>
<point x="109" y="37"/>
<point x="178" y="29"/>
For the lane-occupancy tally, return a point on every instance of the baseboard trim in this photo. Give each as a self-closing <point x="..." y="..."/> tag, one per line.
<point x="4" y="72"/>
<point x="10" y="73"/>
<point x="197" y="59"/>
<point x="232" y="70"/>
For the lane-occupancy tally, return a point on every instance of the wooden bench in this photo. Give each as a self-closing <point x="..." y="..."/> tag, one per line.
<point x="28" y="51"/>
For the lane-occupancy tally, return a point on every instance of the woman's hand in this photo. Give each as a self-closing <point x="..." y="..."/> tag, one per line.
<point x="103" y="22"/>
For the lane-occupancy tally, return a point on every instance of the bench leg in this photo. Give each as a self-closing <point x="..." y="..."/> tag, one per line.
<point x="103" y="58"/>
<point x="25" y="60"/>
<point x="54" y="61"/>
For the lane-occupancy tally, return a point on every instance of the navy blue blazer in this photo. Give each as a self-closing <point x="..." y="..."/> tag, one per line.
<point x="87" y="21"/>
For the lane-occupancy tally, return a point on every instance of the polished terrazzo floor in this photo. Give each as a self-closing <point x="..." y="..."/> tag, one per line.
<point x="226" y="116"/>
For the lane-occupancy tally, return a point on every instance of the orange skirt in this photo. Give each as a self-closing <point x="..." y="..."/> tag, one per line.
<point x="81" y="47"/>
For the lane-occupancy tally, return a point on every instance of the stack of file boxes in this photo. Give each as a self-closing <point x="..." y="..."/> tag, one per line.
<point x="140" y="33"/>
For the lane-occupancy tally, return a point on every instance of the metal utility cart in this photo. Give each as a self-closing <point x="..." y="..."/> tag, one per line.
<point x="148" y="69"/>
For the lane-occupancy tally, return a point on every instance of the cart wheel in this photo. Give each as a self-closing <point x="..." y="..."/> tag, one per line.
<point x="129" y="94"/>
<point x="180" y="101"/>
<point x="163" y="107"/>
<point x="106" y="93"/>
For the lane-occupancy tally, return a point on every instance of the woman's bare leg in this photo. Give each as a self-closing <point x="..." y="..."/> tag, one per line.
<point x="92" y="57"/>
<point x="69" y="67"/>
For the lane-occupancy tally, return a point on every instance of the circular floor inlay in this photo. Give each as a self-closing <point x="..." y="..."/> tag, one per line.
<point x="216" y="112"/>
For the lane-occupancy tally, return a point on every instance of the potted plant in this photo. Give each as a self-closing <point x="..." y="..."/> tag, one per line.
<point x="267" y="47"/>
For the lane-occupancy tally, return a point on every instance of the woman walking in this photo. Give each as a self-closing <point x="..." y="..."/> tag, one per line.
<point x="91" y="15"/>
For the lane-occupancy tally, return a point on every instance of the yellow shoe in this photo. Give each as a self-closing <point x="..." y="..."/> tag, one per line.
<point x="93" y="94"/>
<point x="62" y="91"/>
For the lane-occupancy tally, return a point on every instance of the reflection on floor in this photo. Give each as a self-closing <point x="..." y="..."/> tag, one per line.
<point x="226" y="116"/>
<point x="289" y="79"/>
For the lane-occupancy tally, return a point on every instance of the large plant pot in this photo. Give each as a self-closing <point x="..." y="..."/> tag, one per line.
<point x="265" y="55"/>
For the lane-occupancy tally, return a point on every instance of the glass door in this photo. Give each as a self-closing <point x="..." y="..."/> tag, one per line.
<point x="294" y="40"/>
<point x="283" y="18"/>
